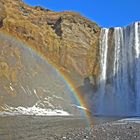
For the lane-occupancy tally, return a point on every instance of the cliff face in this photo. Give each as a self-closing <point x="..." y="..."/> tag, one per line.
<point x="26" y="80"/>
<point x="66" y="39"/>
<point x="77" y="47"/>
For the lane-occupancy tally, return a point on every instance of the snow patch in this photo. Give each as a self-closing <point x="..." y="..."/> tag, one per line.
<point x="80" y="107"/>
<point x="57" y="97"/>
<point x="135" y="120"/>
<point x="32" y="111"/>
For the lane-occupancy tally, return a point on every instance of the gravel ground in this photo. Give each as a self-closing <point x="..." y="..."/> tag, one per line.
<point x="107" y="131"/>
<point x="66" y="128"/>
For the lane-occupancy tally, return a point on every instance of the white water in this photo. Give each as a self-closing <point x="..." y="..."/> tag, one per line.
<point x="137" y="50"/>
<point x="103" y="64"/>
<point x="119" y="81"/>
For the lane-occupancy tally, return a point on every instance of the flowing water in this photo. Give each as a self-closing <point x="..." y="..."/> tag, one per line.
<point x="118" y="92"/>
<point x="119" y="81"/>
<point x="103" y="52"/>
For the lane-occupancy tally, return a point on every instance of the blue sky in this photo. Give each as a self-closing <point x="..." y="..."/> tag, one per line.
<point x="107" y="13"/>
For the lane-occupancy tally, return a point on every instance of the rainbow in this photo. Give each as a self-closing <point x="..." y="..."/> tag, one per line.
<point x="65" y="78"/>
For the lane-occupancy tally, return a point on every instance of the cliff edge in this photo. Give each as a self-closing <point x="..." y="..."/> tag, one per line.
<point x="68" y="40"/>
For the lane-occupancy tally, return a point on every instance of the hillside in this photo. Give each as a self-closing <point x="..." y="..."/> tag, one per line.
<point x="66" y="39"/>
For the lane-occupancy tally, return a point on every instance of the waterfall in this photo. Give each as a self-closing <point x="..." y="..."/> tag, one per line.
<point x="103" y="64"/>
<point x="137" y="63"/>
<point x="119" y="80"/>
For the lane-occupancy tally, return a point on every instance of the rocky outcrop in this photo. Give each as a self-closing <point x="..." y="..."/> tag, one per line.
<point x="2" y="13"/>
<point x="66" y="39"/>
